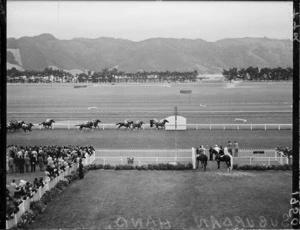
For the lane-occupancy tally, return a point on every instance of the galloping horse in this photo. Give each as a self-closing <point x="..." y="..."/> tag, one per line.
<point x="137" y="124"/>
<point x="48" y="123"/>
<point x="220" y="156"/>
<point x="96" y="122"/>
<point x="158" y="124"/>
<point x="127" y="124"/>
<point x="15" y="125"/>
<point x="26" y="127"/>
<point x="88" y="125"/>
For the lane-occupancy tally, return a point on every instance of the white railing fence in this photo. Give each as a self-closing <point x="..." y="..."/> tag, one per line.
<point x="25" y="205"/>
<point x="103" y="126"/>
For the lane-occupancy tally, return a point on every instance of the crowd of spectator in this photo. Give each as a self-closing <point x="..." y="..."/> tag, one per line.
<point x="51" y="159"/>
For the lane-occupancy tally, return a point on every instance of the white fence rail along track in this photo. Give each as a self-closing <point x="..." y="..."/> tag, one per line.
<point x="143" y="156"/>
<point x="156" y="156"/>
<point x="103" y="126"/>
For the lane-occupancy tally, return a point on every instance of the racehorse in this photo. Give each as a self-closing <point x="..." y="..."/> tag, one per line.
<point x="48" y="123"/>
<point x="26" y="127"/>
<point x="127" y="125"/>
<point x="158" y="124"/>
<point x="15" y="125"/>
<point x="203" y="159"/>
<point x="88" y="125"/>
<point x="220" y="156"/>
<point x="137" y="124"/>
<point x="96" y="122"/>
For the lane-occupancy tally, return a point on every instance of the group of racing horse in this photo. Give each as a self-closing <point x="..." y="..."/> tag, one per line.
<point x="220" y="155"/>
<point x="15" y="125"/>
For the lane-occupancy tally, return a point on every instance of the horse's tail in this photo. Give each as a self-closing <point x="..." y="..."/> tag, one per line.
<point x="77" y="125"/>
<point x="119" y="123"/>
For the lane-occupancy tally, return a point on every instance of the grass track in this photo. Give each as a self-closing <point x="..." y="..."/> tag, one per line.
<point x="120" y="199"/>
<point x="155" y="139"/>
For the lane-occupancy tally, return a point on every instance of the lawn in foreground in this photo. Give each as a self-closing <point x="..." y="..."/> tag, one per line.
<point x="171" y="199"/>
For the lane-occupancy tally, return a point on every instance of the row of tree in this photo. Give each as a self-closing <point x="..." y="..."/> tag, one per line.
<point x="256" y="74"/>
<point x="105" y="76"/>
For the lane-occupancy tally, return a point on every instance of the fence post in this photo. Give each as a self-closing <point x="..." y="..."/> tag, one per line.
<point x="68" y="124"/>
<point x="156" y="160"/>
<point x="250" y="160"/>
<point x="265" y="128"/>
<point x="269" y="161"/>
<point x="194" y="158"/>
<point x="104" y="161"/>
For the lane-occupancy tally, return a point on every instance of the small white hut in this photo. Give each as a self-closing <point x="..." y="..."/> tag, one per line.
<point x="176" y="123"/>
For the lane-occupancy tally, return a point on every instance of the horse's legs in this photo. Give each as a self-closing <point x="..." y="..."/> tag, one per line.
<point x="218" y="161"/>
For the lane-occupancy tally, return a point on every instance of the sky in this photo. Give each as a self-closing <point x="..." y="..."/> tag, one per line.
<point x="137" y="21"/>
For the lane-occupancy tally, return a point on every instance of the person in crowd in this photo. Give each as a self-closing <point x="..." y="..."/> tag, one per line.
<point x="13" y="183"/>
<point x="33" y="161"/>
<point x="41" y="162"/>
<point x="81" y="174"/>
<point x="27" y="163"/>
<point x="22" y="164"/>
<point x="236" y="148"/>
<point x="17" y="163"/>
<point x="229" y="147"/>
<point x="210" y="153"/>
<point x="11" y="164"/>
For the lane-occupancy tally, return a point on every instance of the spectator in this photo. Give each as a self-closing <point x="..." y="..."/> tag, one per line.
<point x="13" y="183"/>
<point x="236" y="148"/>
<point x="22" y="164"/>
<point x="27" y="163"/>
<point x="17" y="163"/>
<point x="33" y="163"/>
<point x="229" y="147"/>
<point x="11" y="164"/>
<point x="210" y="153"/>
<point x="81" y="174"/>
<point x="41" y="162"/>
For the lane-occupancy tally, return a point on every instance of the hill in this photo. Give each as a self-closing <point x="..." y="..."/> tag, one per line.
<point x="155" y="54"/>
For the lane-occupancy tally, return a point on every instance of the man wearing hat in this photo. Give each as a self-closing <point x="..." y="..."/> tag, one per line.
<point x="217" y="148"/>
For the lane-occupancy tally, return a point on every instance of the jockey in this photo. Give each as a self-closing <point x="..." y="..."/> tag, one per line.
<point x="202" y="150"/>
<point x="48" y="120"/>
<point x="126" y="122"/>
<point x="161" y="121"/>
<point x="217" y="148"/>
<point x="155" y="120"/>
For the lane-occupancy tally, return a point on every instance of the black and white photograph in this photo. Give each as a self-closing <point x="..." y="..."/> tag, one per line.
<point x="151" y="115"/>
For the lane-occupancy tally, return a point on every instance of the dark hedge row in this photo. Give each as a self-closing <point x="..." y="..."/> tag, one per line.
<point x="164" y="166"/>
<point x="262" y="167"/>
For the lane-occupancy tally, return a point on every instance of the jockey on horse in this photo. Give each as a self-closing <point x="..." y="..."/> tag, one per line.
<point x="201" y="156"/>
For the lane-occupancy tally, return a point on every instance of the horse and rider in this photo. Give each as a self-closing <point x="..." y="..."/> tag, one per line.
<point x="14" y="125"/>
<point x="221" y="156"/>
<point x="201" y="156"/>
<point x="47" y="124"/>
<point x="138" y="124"/>
<point x="159" y="124"/>
<point x="127" y="124"/>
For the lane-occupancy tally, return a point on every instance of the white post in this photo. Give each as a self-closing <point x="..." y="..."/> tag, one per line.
<point x="121" y="160"/>
<point x="104" y="161"/>
<point x="156" y="160"/>
<point x="269" y="160"/>
<point x="231" y="162"/>
<point x="265" y="128"/>
<point x="210" y="127"/>
<point x="194" y="157"/>
<point x="68" y="124"/>
<point x="250" y="160"/>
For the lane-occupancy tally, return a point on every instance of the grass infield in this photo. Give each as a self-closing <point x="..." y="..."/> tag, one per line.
<point x="107" y="199"/>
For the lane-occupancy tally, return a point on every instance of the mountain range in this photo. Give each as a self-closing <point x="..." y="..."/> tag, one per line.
<point x="155" y="54"/>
